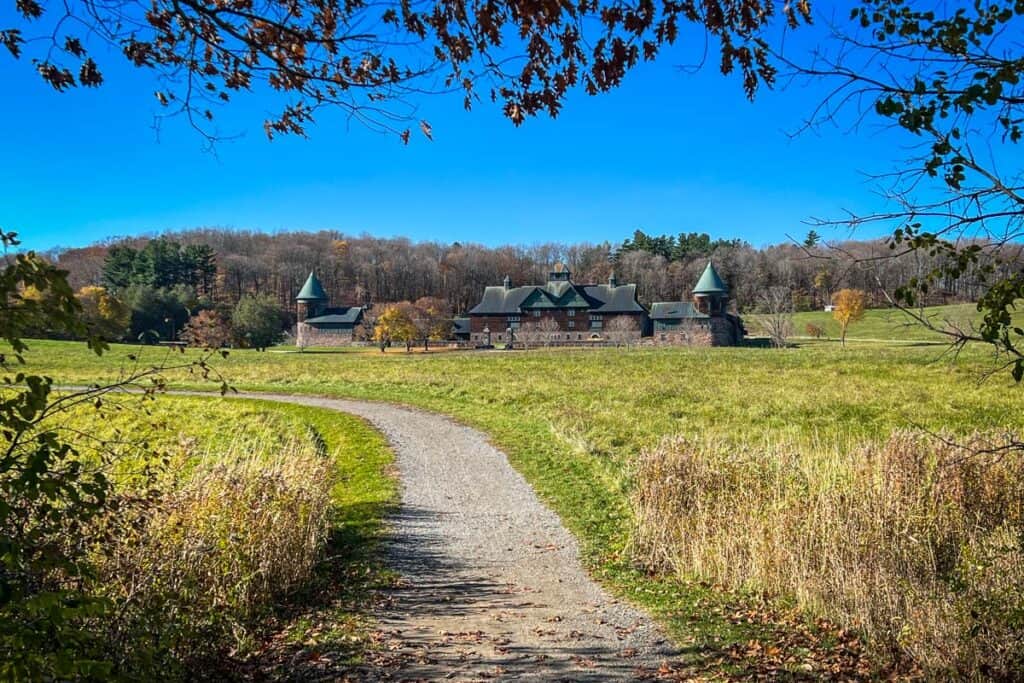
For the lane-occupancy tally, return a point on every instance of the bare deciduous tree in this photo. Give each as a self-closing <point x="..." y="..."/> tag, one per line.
<point x="549" y="330"/>
<point x="775" y="314"/>
<point x="621" y="329"/>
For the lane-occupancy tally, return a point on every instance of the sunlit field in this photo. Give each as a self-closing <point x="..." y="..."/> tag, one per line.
<point x="237" y="515"/>
<point x="894" y="326"/>
<point x="576" y="421"/>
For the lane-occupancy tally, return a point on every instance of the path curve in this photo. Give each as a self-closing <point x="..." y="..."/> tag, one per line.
<point x="492" y="586"/>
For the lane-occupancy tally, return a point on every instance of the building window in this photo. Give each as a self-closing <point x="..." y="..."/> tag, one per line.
<point x="572" y="324"/>
<point x="596" y="324"/>
<point x="571" y="313"/>
<point x="595" y="317"/>
<point x="499" y="336"/>
<point x="579" y="337"/>
<point x="536" y="314"/>
<point x="514" y="325"/>
<point x="513" y="318"/>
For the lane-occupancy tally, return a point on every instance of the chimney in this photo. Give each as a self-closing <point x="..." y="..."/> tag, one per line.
<point x="612" y="282"/>
<point x="508" y="282"/>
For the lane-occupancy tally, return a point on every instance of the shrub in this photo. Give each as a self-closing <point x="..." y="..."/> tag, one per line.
<point x="816" y="331"/>
<point x="207" y="329"/>
<point x="912" y="542"/>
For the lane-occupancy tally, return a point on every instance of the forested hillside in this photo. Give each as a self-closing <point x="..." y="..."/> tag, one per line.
<point x="228" y="264"/>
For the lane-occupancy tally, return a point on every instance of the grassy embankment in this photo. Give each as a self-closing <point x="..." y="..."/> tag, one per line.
<point x="264" y="521"/>
<point x="892" y="325"/>
<point x="574" y="423"/>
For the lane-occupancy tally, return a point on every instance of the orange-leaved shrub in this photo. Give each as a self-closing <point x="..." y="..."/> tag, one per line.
<point x="917" y="542"/>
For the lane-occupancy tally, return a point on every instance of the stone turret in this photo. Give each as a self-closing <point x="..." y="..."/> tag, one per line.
<point x="710" y="295"/>
<point x="311" y="298"/>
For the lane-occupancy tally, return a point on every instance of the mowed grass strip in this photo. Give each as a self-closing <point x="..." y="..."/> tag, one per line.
<point x="574" y="421"/>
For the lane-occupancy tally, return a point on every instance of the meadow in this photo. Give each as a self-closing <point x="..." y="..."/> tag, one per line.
<point x="893" y="326"/>
<point x="579" y="424"/>
<point x="238" y="518"/>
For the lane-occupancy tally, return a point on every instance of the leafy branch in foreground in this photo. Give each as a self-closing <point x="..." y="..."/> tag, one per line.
<point x="51" y="498"/>
<point x="370" y="60"/>
<point x="952" y="79"/>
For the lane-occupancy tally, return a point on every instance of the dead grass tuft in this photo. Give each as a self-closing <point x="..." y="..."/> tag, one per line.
<point x="209" y="557"/>
<point x="910" y="542"/>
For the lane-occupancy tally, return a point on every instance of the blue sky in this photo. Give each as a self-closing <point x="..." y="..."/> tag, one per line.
<point x="667" y="152"/>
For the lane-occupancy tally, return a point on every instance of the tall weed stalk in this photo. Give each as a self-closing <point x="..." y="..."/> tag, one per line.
<point x="914" y="542"/>
<point x="194" y="570"/>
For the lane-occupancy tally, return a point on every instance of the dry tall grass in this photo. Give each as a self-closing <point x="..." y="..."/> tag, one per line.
<point x="207" y="557"/>
<point x="916" y="545"/>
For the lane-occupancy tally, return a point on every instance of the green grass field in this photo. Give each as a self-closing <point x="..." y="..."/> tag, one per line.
<point x="572" y="421"/>
<point x="892" y="325"/>
<point x="360" y="453"/>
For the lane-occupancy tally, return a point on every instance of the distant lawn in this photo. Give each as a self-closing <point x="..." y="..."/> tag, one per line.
<point x="574" y="420"/>
<point x="893" y="325"/>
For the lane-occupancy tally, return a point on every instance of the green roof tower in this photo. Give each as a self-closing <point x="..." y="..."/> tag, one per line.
<point x="312" y="290"/>
<point x="710" y="282"/>
<point x="310" y="298"/>
<point x="710" y="295"/>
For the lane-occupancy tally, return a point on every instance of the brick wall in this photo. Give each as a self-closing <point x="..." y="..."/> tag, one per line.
<point x="579" y="331"/>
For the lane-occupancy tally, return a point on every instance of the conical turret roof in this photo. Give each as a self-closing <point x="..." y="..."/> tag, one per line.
<point x="710" y="282"/>
<point x="312" y="290"/>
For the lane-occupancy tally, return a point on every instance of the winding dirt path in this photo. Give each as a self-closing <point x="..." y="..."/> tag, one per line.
<point x="492" y="587"/>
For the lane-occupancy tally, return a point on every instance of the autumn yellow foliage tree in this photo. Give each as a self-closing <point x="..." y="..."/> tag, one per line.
<point x="397" y="322"/>
<point x="847" y="308"/>
<point x="433" y="318"/>
<point x="104" y="315"/>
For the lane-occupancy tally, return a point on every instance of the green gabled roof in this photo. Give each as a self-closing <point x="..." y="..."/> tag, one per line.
<point x="573" y="298"/>
<point x="312" y="290"/>
<point x="710" y="282"/>
<point x="501" y="301"/>
<point x="538" y="298"/>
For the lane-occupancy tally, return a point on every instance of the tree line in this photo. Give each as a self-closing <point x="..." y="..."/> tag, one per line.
<point x="165" y="281"/>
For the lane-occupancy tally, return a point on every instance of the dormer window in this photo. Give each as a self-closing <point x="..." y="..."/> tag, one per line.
<point x="560" y="273"/>
<point x="571" y="313"/>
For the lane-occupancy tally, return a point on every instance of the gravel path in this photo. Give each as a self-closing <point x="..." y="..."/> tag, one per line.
<point x="492" y="587"/>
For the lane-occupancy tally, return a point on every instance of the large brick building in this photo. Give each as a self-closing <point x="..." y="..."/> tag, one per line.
<point x="320" y="325"/>
<point x="565" y="312"/>
<point x="561" y="310"/>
